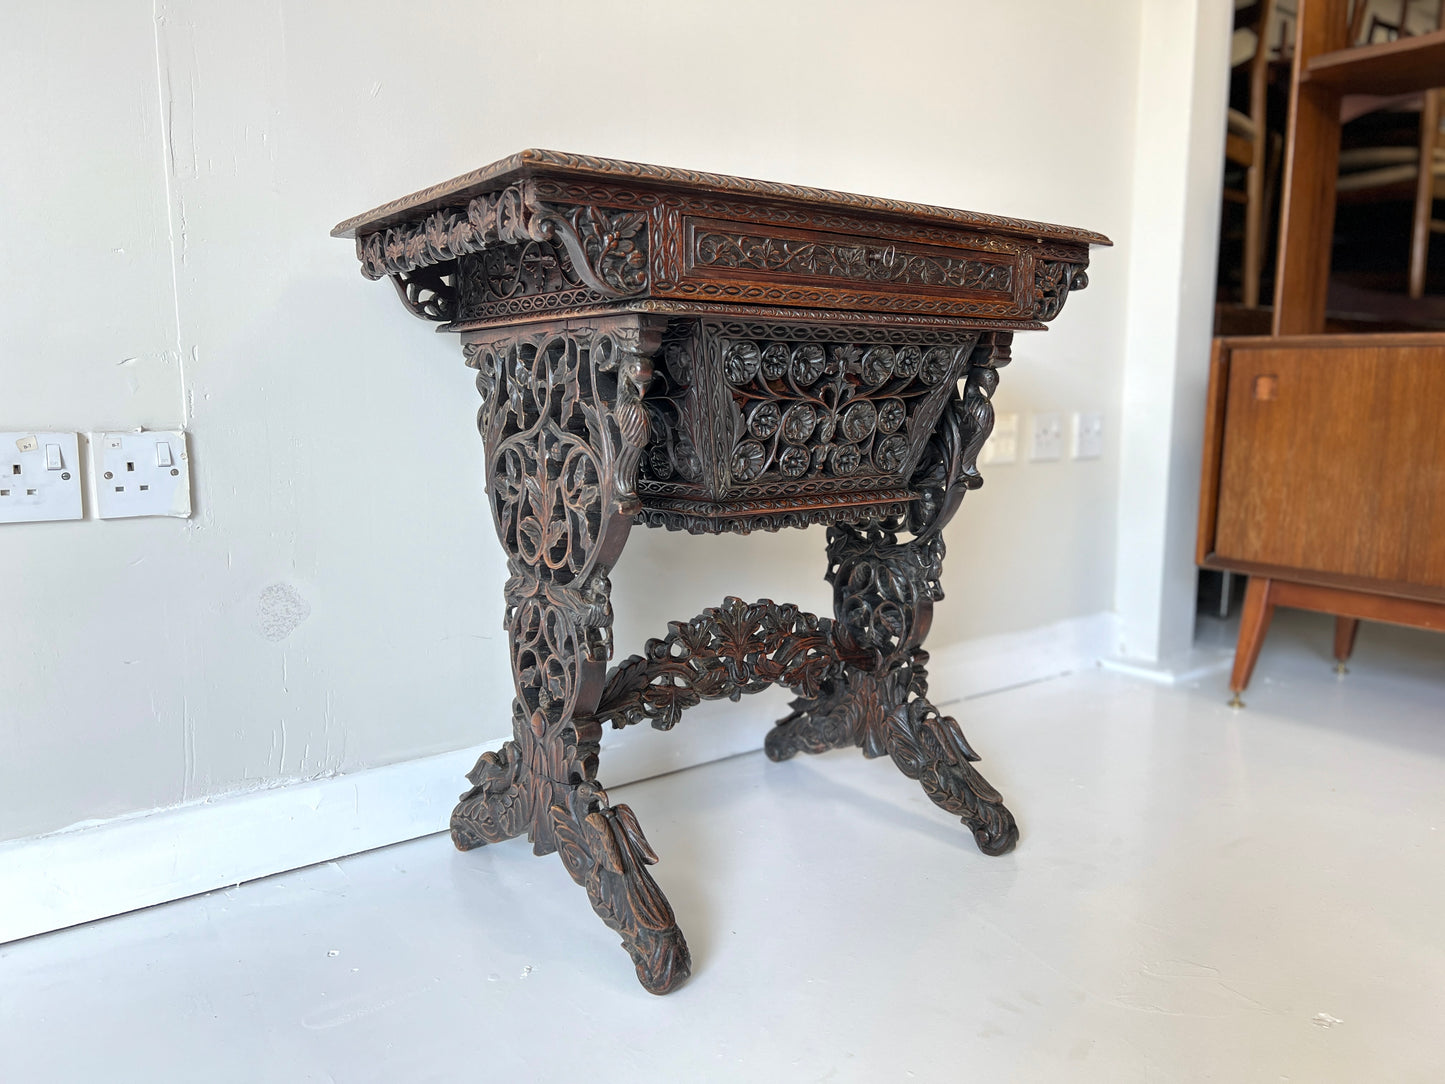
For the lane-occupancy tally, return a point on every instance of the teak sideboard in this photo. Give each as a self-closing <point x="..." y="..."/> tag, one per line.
<point x="1324" y="480"/>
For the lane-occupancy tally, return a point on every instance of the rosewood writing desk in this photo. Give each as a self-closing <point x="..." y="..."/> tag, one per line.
<point x="714" y="354"/>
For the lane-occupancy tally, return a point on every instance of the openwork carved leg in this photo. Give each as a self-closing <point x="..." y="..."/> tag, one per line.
<point x="602" y="846"/>
<point x="563" y="427"/>
<point x="883" y="599"/>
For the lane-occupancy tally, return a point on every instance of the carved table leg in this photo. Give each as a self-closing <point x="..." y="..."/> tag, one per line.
<point x="601" y="845"/>
<point x="563" y="427"/>
<point x="883" y="600"/>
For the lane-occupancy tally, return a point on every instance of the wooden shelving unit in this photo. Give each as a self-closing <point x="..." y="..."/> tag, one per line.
<point x="1392" y="67"/>
<point x="1324" y="472"/>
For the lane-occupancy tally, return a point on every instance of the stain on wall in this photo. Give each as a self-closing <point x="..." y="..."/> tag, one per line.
<point x="280" y="610"/>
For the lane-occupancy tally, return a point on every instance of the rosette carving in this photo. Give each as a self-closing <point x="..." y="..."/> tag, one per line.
<point x="747" y="415"/>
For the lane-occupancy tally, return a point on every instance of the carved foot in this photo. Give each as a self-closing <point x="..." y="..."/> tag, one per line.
<point x="931" y="748"/>
<point x="605" y="852"/>
<point x="889" y="715"/>
<point x="497" y="806"/>
<point x="601" y="846"/>
<point x="809" y="731"/>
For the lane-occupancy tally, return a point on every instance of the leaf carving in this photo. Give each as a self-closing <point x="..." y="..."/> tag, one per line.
<point x="725" y="652"/>
<point x="604" y="842"/>
<point x="633" y="832"/>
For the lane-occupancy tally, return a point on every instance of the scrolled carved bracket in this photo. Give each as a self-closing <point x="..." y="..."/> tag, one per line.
<point x="1053" y="281"/>
<point x="429" y="293"/>
<point x="607" y="249"/>
<point x="948" y="468"/>
<point x="563" y="426"/>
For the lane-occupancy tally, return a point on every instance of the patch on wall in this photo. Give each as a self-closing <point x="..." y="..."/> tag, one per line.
<point x="281" y="608"/>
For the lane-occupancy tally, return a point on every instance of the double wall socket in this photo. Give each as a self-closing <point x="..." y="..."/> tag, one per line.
<point x="1002" y="445"/>
<point x="39" y="477"/>
<point x="1088" y="436"/>
<point x="1046" y="438"/>
<point x="144" y="473"/>
<point x="1047" y="441"/>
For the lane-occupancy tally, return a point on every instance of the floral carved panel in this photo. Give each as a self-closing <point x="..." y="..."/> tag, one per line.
<point x="757" y="420"/>
<point x="724" y="248"/>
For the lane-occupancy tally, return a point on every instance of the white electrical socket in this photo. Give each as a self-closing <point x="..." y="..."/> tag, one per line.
<point x="39" y="477"/>
<point x="1088" y="436"/>
<point x="1048" y="437"/>
<point x="141" y="473"/>
<point x="1002" y="445"/>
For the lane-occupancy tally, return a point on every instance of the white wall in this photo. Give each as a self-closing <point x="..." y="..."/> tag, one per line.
<point x="1183" y="91"/>
<point x="169" y="176"/>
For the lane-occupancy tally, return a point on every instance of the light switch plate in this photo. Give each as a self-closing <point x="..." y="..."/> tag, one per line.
<point x="39" y="477"/>
<point x="1048" y="437"/>
<point x="1002" y="445"/>
<point x="141" y="473"/>
<point x="1088" y="436"/>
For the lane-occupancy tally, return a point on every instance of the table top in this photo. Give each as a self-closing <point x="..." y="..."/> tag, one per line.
<point x="559" y="164"/>
<point x="544" y="234"/>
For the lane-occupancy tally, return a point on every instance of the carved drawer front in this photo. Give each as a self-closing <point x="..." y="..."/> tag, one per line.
<point x="767" y="264"/>
<point x="763" y="416"/>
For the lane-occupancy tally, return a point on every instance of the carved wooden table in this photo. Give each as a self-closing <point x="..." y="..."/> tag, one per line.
<point x="714" y="354"/>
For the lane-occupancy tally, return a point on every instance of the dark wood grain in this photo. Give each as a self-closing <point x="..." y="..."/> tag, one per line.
<point x="559" y="245"/>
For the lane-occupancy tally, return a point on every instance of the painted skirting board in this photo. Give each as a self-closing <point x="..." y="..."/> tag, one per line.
<point x="970" y="668"/>
<point x="90" y="872"/>
<point x="94" y="871"/>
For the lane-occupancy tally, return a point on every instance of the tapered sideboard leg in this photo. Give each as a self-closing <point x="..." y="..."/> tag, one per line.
<point x="1253" y="624"/>
<point x="1346" y="629"/>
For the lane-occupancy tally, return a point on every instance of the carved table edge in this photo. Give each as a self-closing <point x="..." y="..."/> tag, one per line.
<point x="540" y="162"/>
<point x="778" y="313"/>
